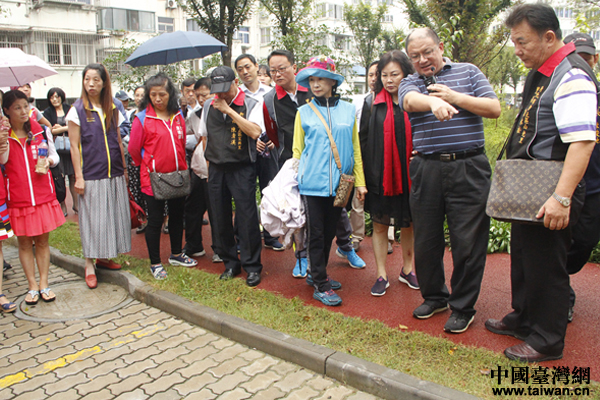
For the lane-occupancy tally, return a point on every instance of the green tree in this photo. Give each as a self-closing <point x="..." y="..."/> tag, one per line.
<point x="365" y="22"/>
<point x="219" y="18"/>
<point x="289" y="14"/>
<point x="128" y="78"/>
<point x="392" y="40"/>
<point x="505" y="69"/>
<point x="464" y="26"/>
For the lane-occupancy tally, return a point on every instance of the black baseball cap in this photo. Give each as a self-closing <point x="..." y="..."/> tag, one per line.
<point x="583" y="42"/>
<point x="220" y="79"/>
<point x="122" y="95"/>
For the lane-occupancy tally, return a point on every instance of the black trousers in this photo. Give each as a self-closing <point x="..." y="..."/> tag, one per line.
<point x="237" y="181"/>
<point x="196" y="204"/>
<point x="540" y="281"/>
<point x="456" y="190"/>
<point x="266" y="169"/>
<point x="321" y="221"/>
<point x="155" y="219"/>
<point x="585" y="236"/>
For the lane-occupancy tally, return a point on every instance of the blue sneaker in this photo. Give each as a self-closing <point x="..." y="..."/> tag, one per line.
<point x="182" y="260"/>
<point x="335" y="285"/>
<point x="329" y="298"/>
<point x="353" y="259"/>
<point x="300" y="268"/>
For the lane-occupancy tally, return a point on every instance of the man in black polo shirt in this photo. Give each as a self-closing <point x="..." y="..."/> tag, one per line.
<point x="450" y="175"/>
<point x="232" y="122"/>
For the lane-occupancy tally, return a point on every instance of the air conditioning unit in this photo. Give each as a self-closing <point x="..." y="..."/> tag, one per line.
<point x="171" y="4"/>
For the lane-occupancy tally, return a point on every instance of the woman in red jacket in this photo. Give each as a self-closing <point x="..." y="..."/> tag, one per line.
<point x="32" y="205"/>
<point x="157" y="143"/>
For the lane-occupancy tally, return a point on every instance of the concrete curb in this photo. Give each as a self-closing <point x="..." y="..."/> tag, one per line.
<point x="360" y="374"/>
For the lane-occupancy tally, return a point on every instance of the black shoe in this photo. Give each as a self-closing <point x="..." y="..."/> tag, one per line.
<point x="7" y="266"/>
<point x="253" y="279"/>
<point x="228" y="274"/>
<point x="427" y="309"/>
<point x="570" y="314"/>
<point x="458" y="322"/>
<point x="204" y="221"/>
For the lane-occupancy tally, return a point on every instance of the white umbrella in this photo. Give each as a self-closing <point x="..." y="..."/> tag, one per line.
<point x="18" y="68"/>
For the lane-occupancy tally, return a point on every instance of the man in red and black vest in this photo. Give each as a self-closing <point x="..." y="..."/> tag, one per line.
<point x="232" y="122"/>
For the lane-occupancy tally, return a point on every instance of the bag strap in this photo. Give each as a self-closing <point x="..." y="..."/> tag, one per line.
<point x="334" y="149"/>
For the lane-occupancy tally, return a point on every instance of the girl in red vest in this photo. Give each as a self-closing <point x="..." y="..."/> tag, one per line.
<point x="32" y="205"/>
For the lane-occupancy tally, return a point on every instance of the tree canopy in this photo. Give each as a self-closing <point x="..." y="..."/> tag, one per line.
<point x="464" y="26"/>
<point x="365" y="23"/>
<point x="219" y="18"/>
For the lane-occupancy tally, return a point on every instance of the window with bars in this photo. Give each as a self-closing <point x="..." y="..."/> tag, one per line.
<point x="166" y="24"/>
<point x="388" y="18"/>
<point x="243" y="34"/>
<point x="127" y="20"/>
<point x="265" y="35"/>
<point x="65" y="48"/>
<point x="12" y="39"/>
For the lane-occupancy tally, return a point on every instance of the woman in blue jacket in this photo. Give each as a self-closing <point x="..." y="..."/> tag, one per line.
<point x="318" y="174"/>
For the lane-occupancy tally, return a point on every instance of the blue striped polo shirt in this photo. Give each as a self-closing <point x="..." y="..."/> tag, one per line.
<point x="465" y="130"/>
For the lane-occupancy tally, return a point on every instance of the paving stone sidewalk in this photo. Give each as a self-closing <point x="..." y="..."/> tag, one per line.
<point x="139" y="352"/>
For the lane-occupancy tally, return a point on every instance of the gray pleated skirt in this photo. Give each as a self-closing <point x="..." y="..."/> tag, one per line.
<point x="104" y="219"/>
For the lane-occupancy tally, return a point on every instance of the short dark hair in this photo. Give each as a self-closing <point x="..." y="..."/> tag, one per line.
<point x="59" y="92"/>
<point x="430" y="33"/>
<point x="161" y="79"/>
<point x="10" y="98"/>
<point x="139" y="87"/>
<point x="248" y="56"/>
<point x="397" y="56"/>
<point x="188" y="82"/>
<point x="540" y="17"/>
<point x="287" y="54"/>
<point x="202" y="82"/>
<point x="264" y="67"/>
<point x="373" y="63"/>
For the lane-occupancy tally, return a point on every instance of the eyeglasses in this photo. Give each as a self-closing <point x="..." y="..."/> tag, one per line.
<point x="279" y="71"/>
<point x="417" y="56"/>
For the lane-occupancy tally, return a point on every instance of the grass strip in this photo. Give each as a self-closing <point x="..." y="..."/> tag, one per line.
<point x="465" y="368"/>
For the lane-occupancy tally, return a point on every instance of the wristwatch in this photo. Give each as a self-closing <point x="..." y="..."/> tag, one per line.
<point x="564" y="201"/>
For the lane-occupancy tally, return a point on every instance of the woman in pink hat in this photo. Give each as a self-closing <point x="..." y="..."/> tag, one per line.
<point x="318" y="172"/>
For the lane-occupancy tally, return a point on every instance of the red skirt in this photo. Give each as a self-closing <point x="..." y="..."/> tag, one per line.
<point x="36" y="220"/>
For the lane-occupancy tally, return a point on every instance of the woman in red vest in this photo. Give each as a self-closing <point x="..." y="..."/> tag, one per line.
<point x="32" y="205"/>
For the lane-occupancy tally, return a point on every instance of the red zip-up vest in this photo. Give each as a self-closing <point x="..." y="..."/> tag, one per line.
<point x="24" y="186"/>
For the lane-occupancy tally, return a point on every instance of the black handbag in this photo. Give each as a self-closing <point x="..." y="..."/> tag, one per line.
<point x="60" y="188"/>
<point x="521" y="187"/>
<point x="172" y="185"/>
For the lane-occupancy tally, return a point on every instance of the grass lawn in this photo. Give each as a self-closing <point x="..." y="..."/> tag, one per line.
<point x="434" y="359"/>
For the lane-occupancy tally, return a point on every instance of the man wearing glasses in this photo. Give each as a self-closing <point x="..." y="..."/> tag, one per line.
<point x="450" y="175"/>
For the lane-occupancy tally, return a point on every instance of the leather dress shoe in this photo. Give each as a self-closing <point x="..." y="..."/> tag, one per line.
<point x="525" y="353"/>
<point x="253" y="279"/>
<point x="228" y="274"/>
<point x="498" y="327"/>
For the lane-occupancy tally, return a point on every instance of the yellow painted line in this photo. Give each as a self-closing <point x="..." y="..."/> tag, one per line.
<point x="61" y="362"/>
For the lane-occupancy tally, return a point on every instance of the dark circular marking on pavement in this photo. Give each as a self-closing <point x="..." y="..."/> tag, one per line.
<point x="74" y="300"/>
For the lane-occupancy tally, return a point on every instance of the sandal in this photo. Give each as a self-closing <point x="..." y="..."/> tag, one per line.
<point x="35" y="297"/>
<point x="158" y="272"/>
<point x="47" y="292"/>
<point x="8" y="307"/>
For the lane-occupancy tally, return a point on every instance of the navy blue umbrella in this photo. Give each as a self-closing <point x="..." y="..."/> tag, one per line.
<point x="173" y="47"/>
